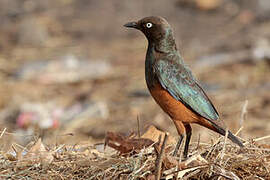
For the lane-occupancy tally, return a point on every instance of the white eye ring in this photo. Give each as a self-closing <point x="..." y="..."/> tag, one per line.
<point x="149" y="25"/>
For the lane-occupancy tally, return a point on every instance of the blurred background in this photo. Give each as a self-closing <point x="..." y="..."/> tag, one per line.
<point x="70" y="71"/>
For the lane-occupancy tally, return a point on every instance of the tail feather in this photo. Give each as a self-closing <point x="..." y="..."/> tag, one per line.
<point x="232" y="137"/>
<point x="235" y="139"/>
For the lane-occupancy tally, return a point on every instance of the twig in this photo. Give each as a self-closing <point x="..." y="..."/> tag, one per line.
<point x="198" y="143"/>
<point x="214" y="146"/>
<point x="138" y="125"/>
<point x="239" y="130"/>
<point x="15" y="134"/>
<point x="18" y="145"/>
<point x="179" y="160"/>
<point x="67" y="134"/>
<point x="171" y="172"/>
<point x="3" y="132"/>
<point x="243" y="115"/>
<point x="261" y="138"/>
<point x="160" y="158"/>
<point x="60" y="147"/>
<point x="224" y="146"/>
<point x="192" y="174"/>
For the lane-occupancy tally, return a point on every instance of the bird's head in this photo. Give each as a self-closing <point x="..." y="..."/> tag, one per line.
<point x="154" y="28"/>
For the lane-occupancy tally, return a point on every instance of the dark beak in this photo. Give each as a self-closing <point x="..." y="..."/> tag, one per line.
<point x="132" y="25"/>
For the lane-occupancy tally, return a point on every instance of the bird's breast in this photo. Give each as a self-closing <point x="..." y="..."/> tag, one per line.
<point x="149" y="65"/>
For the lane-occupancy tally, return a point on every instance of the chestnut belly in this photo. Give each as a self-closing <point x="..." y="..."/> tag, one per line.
<point x="174" y="108"/>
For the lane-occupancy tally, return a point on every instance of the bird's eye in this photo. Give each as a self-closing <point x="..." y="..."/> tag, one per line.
<point x="149" y="25"/>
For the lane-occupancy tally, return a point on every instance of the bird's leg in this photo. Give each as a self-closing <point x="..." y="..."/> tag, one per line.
<point x="181" y="137"/>
<point x="188" y="136"/>
<point x="181" y="131"/>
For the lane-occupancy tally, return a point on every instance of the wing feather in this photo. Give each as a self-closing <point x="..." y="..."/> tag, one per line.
<point x="177" y="79"/>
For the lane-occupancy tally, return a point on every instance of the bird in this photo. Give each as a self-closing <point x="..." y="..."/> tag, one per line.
<point x="173" y="86"/>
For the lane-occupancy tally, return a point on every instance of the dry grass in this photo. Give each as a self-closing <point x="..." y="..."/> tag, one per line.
<point x="206" y="161"/>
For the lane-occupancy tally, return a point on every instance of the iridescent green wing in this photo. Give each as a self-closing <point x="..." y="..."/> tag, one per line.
<point x="177" y="79"/>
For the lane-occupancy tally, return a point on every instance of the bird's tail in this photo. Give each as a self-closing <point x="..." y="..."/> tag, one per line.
<point x="235" y="139"/>
<point x="232" y="137"/>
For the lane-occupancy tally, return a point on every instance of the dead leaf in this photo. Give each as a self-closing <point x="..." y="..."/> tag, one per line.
<point x="181" y="173"/>
<point x="171" y="162"/>
<point x="37" y="154"/>
<point x="193" y="163"/>
<point x="195" y="160"/>
<point x="170" y="173"/>
<point x="10" y="156"/>
<point x="153" y="134"/>
<point x="126" y="144"/>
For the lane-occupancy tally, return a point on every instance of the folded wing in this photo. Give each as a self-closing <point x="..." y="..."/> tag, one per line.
<point x="178" y="80"/>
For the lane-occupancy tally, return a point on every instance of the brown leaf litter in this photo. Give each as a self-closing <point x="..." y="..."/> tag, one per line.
<point x="220" y="160"/>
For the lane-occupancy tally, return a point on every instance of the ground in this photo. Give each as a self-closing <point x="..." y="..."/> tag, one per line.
<point x="226" y="44"/>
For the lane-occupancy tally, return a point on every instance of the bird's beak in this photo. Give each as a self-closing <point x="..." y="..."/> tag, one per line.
<point x="132" y="25"/>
